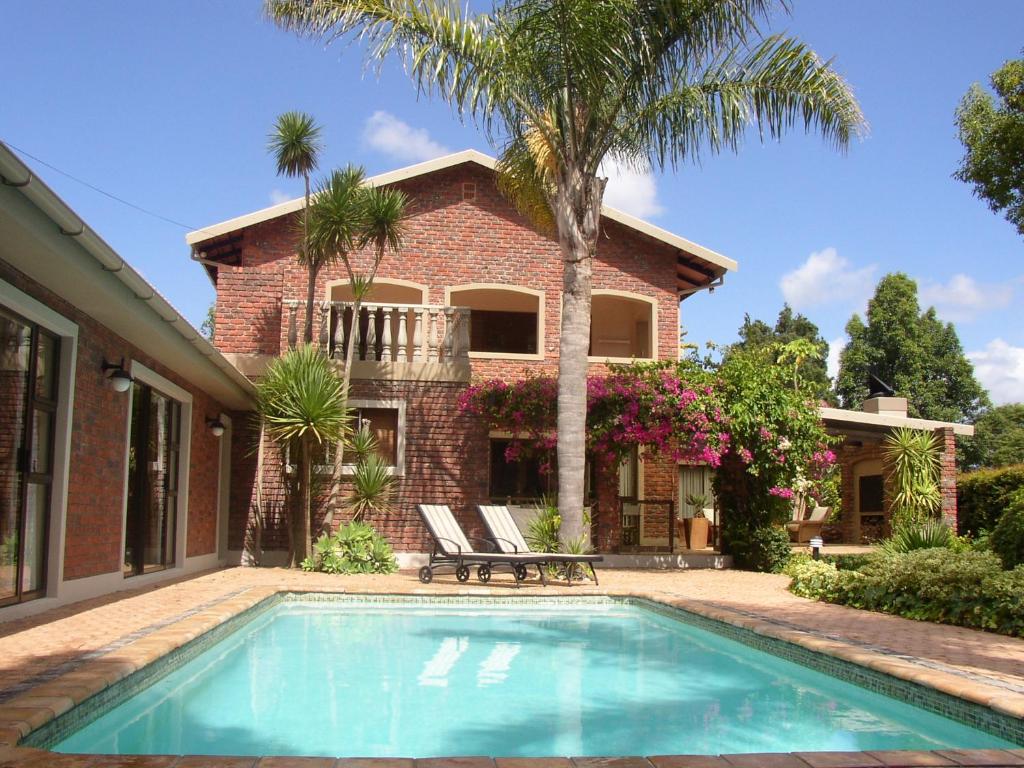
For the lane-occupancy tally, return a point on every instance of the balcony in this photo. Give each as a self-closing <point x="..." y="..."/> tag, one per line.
<point x="418" y="342"/>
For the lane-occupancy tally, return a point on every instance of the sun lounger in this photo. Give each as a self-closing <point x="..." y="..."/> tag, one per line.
<point x="453" y="550"/>
<point x="510" y="540"/>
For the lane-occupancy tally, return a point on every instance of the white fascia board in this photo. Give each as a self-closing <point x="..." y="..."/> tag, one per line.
<point x="860" y="418"/>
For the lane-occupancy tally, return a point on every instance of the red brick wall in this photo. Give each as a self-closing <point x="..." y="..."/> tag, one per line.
<point x="450" y="241"/>
<point x="95" y="514"/>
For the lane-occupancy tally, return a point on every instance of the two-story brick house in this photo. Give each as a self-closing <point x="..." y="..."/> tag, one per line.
<point x="474" y="294"/>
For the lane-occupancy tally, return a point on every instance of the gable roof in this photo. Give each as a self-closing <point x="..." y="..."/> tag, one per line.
<point x="697" y="267"/>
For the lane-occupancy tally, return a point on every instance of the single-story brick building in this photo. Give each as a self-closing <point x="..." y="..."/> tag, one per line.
<point x="97" y="371"/>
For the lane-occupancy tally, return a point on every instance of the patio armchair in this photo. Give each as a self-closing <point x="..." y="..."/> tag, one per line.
<point x="802" y="531"/>
<point x="509" y="539"/>
<point x="453" y="550"/>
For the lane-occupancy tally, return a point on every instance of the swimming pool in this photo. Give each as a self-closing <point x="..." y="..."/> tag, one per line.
<point x="420" y="679"/>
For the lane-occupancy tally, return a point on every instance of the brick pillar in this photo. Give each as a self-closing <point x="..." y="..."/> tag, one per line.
<point x="947" y="476"/>
<point x="609" y="512"/>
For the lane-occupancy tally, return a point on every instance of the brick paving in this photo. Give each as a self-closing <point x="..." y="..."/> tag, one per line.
<point x="50" y="662"/>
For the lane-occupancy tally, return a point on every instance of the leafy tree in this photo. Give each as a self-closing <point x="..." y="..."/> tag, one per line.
<point x="913" y="352"/>
<point x="999" y="437"/>
<point x="302" y="403"/>
<point x="789" y="327"/>
<point x="209" y="325"/>
<point x="566" y="85"/>
<point x="992" y="132"/>
<point x="295" y="144"/>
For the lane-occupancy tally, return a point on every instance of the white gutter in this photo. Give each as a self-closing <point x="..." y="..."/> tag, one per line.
<point x="16" y="174"/>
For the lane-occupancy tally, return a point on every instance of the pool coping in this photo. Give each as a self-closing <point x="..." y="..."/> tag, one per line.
<point x="27" y="708"/>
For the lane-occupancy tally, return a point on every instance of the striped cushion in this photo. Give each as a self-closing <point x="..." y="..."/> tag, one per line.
<point x="499" y="522"/>
<point x="444" y="528"/>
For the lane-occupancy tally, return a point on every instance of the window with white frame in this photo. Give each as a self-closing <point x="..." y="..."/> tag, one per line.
<point x="385" y="420"/>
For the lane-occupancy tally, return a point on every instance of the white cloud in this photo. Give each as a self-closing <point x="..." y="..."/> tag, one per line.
<point x="835" y="349"/>
<point x="963" y="298"/>
<point x="827" y="278"/>
<point x="629" y="189"/>
<point x="386" y="133"/>
<point x="278" y="196"/>
<point x="1000" y="369"/>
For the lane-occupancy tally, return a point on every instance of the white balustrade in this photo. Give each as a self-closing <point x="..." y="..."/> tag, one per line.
<point x="403" y="332"/>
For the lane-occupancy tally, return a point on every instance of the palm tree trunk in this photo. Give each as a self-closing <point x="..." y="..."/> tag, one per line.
<point x="302" y="545"/>
<point x="307" y="333"/>
<point x="578" y="215"/>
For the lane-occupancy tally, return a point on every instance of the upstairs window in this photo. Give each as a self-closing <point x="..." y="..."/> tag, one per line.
<point x="622" y="326"/>
<point x="504" y="320"/>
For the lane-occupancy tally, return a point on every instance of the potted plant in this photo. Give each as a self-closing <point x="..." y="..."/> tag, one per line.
<point x="697" y="527"/>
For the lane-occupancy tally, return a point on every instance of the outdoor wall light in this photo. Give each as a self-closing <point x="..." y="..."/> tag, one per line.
<point x="216" y="426"/>
<point x="817" y="544"/>
<point x="116" y="374"/>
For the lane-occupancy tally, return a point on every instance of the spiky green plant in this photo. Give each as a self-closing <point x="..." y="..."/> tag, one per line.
<point x="373" y="487"/>
<point x="302" y="402"/>
<point x="913" y="463"/>
<point x="928" y="535"/>
<point x="568" y="86"/>
<point x="295" y="145"/>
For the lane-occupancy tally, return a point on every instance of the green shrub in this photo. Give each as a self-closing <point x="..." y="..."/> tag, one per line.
<point x="968" y="589"/>
<point x="850" y="562"/>
<point x="763" y="549"/>
<point x="984" y="494"/>
<point x="1007" y="539"/>
<point x="815" y="579"/>
<point x="354" y="548"/>
<point x="930" y="535"/>
<point x="542" y="531"/>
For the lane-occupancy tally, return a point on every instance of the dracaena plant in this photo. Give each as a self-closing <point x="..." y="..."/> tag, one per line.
<point x="301" y="400"/>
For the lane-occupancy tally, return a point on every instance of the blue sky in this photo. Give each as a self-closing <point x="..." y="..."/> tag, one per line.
<point x="167" y="105"/>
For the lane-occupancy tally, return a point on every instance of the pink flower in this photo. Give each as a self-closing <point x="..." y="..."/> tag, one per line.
<point x="782" y="493"/>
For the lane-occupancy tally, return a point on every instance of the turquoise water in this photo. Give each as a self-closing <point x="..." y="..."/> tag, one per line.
<point x="420" y="681"/>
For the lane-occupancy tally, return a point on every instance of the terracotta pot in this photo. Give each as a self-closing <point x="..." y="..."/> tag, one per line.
<point x="697" y="532"/>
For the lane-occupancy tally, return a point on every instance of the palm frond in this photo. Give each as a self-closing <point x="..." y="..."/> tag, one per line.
<point x="383" y="219"/>
<point x="302" y="397"/>
<point x="295" y="144"/>
<point x="526" y="179"/>
<point x="336" y="216"/>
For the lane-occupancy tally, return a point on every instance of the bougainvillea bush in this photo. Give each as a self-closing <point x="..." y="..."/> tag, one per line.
<point x="749" y="416"/>
<point x="667" y="408"/>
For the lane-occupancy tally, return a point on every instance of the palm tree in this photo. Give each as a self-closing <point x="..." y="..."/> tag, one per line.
<point x="295" y="144"/>
<point x="302" y="402"/>
<point x="347" y="215"/>
<point x="566" y="84"/>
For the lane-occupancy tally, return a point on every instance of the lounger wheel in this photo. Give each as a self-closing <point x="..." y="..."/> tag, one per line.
<point x="462" y="573"/>
<point x="426" y="574"/>
<point x="520" y="571"/>
<point x="484" y="573"/>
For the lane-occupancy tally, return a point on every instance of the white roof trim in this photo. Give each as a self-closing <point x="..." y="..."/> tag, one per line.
<point x="861" y="418"/>
<point x="449" y="161"/>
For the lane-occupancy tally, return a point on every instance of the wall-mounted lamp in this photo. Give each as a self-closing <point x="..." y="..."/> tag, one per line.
<point x="117" y="375"/>
<point x="216" y="426"/>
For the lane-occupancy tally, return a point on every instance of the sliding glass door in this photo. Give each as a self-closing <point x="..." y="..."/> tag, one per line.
<point x="153" y="456"/>
<point x="28" y="405"/>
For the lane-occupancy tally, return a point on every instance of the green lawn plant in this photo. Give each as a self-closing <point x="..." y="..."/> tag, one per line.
<point x="353" y="548"/>
<point x="302" y="403"/>
<point x="565" y="88"/>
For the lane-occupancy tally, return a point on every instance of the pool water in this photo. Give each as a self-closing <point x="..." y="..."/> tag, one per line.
<point x="419" y="680"/>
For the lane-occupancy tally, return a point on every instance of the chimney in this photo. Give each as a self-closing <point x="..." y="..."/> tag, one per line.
<point x="886" y="406"/>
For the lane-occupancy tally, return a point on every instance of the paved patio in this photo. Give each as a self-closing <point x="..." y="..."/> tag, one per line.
<point x="50" y="662"/>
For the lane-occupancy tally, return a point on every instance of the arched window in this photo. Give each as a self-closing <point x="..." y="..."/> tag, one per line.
<point x="623" y="325"/>
<point x="385" y="290"/>
<point x="505" y="320"/>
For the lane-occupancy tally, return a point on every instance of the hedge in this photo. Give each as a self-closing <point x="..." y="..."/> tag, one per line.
<point x="968" y="589"/>
<point x="984" y="494"/>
